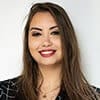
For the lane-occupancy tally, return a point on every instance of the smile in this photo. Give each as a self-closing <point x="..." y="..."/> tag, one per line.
<point x="47" y="53"/>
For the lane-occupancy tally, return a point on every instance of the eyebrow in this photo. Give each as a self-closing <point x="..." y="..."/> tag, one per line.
<point x="53" y="27"/>
<point x="36" y="28"/>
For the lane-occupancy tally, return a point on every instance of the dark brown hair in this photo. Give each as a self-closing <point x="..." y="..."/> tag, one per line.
<point x="73" y="80"/>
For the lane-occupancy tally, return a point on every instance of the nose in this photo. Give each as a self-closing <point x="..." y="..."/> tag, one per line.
<point x="46" y="41"/>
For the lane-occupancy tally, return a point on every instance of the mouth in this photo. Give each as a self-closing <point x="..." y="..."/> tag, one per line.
<point x="47" y="53"/>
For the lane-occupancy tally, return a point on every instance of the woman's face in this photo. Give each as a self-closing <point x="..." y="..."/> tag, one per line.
<point x="44" y="40"/>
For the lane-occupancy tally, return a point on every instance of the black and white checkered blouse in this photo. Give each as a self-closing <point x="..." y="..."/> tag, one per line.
<point x="9" y="90"/>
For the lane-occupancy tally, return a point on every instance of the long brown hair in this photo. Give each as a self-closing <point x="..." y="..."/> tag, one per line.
<point x="73" y="80"/>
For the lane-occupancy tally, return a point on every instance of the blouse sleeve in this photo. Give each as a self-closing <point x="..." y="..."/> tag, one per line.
<point x="7" y="90"/>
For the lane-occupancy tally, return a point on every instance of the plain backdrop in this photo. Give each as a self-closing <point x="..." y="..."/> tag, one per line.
<point x="85" y="16"/>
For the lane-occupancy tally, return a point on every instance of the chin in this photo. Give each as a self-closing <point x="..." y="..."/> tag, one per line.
<point x="48" y="63"/>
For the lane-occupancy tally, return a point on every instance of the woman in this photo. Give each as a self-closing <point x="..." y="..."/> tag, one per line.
<point x="51" y="60"/>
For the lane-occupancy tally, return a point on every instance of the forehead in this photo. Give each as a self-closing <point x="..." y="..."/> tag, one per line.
<point x="43" y="18"/>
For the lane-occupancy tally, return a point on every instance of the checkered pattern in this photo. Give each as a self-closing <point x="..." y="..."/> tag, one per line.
<point x="9" y="90"/>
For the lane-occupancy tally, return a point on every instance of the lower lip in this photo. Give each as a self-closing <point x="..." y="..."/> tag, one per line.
<point x="47" y="55"/>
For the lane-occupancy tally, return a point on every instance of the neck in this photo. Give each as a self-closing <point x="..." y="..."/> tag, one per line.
<point x="51" y="77"/>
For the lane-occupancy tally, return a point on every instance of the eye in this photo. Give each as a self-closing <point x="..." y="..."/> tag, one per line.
<point x="36" y="34"/>
<point x="55" y="33"/>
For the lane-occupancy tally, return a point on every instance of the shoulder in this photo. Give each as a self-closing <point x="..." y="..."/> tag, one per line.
<point x="8" y="89"/>
<point x="63" y="95"/>
<point x="96" y="89"/>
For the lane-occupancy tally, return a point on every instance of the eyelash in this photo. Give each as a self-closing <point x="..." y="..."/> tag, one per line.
<point x="36" y="34"/>
<point x="55" y="33"/>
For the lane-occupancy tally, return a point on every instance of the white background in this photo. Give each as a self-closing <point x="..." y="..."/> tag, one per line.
<point x="85" y="16"/>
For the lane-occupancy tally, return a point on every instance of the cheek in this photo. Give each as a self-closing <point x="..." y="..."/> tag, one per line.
<point x="59" y="47"/>
<point x="33" y="48"/>
<point x="33" y="45"/>
<point x="57" y="43"/>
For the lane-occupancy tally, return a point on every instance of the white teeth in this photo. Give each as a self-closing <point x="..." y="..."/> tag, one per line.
<point x="46" y="52"/>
